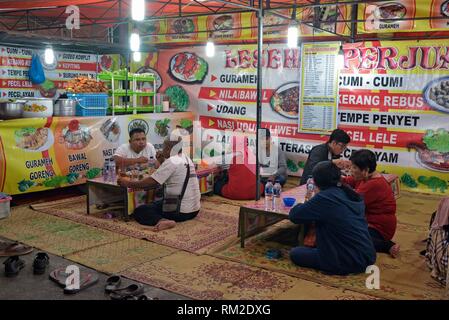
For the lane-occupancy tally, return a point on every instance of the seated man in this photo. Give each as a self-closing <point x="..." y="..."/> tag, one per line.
<point x="343" y="243"/>
<point x="380" y="204"/>
<point x="275" y="168"/>
<point x="331" y="150"/>
<point x="180" y="185"/>
<point x="137" y="151"/>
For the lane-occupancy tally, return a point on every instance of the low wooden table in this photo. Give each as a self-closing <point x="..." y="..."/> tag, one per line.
<point x="253" y="218"/>
<point x="108" y="192"/>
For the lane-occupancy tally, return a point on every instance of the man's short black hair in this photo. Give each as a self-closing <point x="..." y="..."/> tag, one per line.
<point x="134" y="131"/>
<point x="339" y="135"/>
<point x="364" y="159"/>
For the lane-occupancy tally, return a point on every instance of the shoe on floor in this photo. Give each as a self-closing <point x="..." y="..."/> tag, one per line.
<point x="131" y="290"/>
<point x="14" y="249"/>
<point x="13" y="265"/>
<point x="41" y="263"/>
<point x="112" y="283"/>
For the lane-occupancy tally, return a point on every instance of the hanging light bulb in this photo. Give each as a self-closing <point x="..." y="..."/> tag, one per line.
<point x="134" y="42"/>
<point x="138" y="10"/>
<point x="210" y="49"/>
<point x="293" y="31"/>
<point x="137" y="56"/>
<point x="340" y="59"/>
<point x="292" y="36"/>
<point x="49" y="55"/>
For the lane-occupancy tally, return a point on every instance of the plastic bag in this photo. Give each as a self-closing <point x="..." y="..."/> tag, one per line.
<point x="36" y="73"/>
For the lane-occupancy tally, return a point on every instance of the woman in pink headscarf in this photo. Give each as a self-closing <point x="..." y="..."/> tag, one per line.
<point x="239" y="181"/>
<point x="437" y="252"/>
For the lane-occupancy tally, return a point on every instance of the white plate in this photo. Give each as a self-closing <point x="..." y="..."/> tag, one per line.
<point x="47" y="145"/>
<point x="422" y="164"/>
<point x="282" y="88"/>
<point x="429" y="101"/>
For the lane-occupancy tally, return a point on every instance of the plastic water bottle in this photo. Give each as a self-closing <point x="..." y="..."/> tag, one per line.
<point x="151" y="162"/>
<point x="112" y="171"/>
<point x="277" y="189"/>
<point x="106" y="170"/>
<point x="268" y="195"/>
<point x="310" y="188"/>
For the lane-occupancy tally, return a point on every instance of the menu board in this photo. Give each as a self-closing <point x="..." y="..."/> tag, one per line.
<point x="318" y="100"/>
<point x="15" y="63"/>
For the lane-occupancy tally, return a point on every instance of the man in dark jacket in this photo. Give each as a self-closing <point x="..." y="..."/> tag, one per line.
<point x="331" y="150"/>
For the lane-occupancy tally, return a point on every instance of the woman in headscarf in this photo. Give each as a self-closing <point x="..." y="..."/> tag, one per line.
<point x="437" y="253"/>
<point x="239" y="181"/>
<point x="343" y="243"/>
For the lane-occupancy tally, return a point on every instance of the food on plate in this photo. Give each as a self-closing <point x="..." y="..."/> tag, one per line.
<point x="76" y="136"/>
<point x="188" y="67"/>
<point x="183" y="25"/>
<point x="434" y="183"/>
<point x="86" y="85"/>
<point x="224" y="22"/>
<point x="106" y="62"/>
<point x="34" y="108"/>
<point x="390" y="11"/>
<point x="438" y="93"/>
<point x="31" y="138"/>
<point x="179" y="98"/>
<point x="161" y="127"/>
<point x="111" y="130"/>
<point x="445" y="8"/>
<point x="433" y="151"/>
<point x="285" y="100"/>
<point x="47" y="89"/>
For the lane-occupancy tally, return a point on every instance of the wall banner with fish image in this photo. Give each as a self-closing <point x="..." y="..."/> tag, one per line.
<point x="319" y="87"/>
<point x="394" y="99"/>
<point x="238" y="27"/>
<point x="384" y="17"/>
<point x="45" y="153"/>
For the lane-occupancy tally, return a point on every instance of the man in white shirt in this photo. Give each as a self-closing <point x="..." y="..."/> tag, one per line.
<point x="173" y="173"/>
<point x="137" y="151"/>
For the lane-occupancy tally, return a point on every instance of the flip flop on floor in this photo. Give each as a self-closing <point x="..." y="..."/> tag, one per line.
<point x="87" y="279"/>
<point x="14" y="249"/>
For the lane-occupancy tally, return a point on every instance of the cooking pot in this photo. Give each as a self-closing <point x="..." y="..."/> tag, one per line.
<point x="11" y="110"/>
<point x="65" y="108"/>
<point x="38" y="108"/>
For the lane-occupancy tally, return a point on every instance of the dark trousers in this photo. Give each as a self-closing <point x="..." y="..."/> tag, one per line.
<point x="305" y="257"/>
<point x="380" y="244"/>
<point x="150" y="214"/>
<point x="220" y="182"/>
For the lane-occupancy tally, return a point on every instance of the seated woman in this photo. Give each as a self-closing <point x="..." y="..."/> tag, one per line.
<point x="174" y="174"/>
<point x="343" y="243"/>
<point x="239" y="181"/>
<point x="380" y="204"/>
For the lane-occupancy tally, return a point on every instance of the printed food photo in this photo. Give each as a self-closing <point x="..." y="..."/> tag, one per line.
<point x="188" y="67"/>
<point x="33" y="139"/>
<point x="285" y="100"/>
